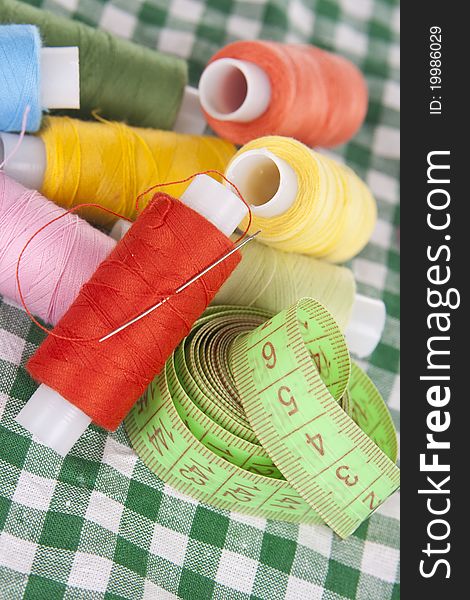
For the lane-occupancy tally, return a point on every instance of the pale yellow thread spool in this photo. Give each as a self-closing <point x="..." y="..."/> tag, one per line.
<point x="303" y="201"/>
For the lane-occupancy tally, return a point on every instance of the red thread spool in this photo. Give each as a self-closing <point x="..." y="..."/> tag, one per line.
<point x="315" y="96"/>
<point x="165" y="247"/>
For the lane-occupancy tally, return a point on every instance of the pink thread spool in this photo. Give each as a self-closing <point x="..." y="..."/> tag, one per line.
<point x="57" y="262"/>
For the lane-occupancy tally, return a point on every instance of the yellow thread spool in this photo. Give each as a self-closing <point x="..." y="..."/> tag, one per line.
<point x="303" y="201"/>
<point x="111" y="163"/>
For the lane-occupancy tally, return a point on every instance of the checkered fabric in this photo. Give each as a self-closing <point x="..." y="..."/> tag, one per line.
<point x="99" y="524"/>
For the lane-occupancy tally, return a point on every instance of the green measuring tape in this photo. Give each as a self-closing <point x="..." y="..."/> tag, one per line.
<point x="267" y="416"/>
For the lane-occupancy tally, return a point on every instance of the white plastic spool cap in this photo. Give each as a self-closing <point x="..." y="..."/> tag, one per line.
<point x="28" y="164"/>
<point x="60" y="77"/>
<point x="190" y="119"/>
<point x="55" y="422"/>
<point x="365" y="326"/>
<point x="218" y="204"/>
<point x="209" y="198"/>
<point x="234" y="90"/>
<point x="119" y="229"/>
<point x="268" y="183"/>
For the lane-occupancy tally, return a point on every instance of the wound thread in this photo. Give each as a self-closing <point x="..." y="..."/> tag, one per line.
<point x="57" y="262"/>
<point x="333" y="212"/>
<point x="63" y="257"/>
<point x="115" y="163"/>
<point x="317" y="97"/>
<point x="20" y="76"/>
<point x="124" y="81"/>
<point x="273" y="280"/>
<point x="165" y="247"/>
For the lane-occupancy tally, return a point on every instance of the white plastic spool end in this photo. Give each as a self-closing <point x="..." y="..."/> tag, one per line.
<point x="234" y="90"/>
<point x="60" y="77"/>
<point x="218" y="204"/>
<point x="268" y="183"/>
<point x="55" y="422"/>
<point x="365" y="326"/>
<point x="119" y="229"/>
<point x="28" y="164"/>
<point x="190" y="118"/>
<point x="210" y="199"/>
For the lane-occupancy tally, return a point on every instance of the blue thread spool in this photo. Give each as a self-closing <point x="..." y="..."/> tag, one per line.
<point x="20" y="47"/>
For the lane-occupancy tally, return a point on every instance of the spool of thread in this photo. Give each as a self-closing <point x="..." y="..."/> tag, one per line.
<point x="57" y="262"/>
<point x="273" y="280"/>
<point x="74" y="161"/>
<point x="168" y="245"/>
<point x="303" y="201"/>
<point x="20" y="47"/>
<point x="124" y="81"/>
<point x="34" y="77"/>
<point x="256" y="88"/>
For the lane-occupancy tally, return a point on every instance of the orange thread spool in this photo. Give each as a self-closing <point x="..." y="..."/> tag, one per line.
<point x="316" y="97"/>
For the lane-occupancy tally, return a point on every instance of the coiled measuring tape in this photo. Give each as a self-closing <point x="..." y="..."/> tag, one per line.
<point x="267" y="416"/>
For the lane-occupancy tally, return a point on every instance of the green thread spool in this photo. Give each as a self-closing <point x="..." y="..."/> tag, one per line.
<point x="273" y="280"/>
<point x="121" y="80"/>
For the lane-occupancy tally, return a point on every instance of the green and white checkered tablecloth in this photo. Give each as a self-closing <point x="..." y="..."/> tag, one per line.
<point x="99" y="524"/>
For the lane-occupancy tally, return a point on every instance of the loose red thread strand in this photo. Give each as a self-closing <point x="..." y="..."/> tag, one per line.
<point x="107" y="210"/>
<point x="240" y="195"/>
